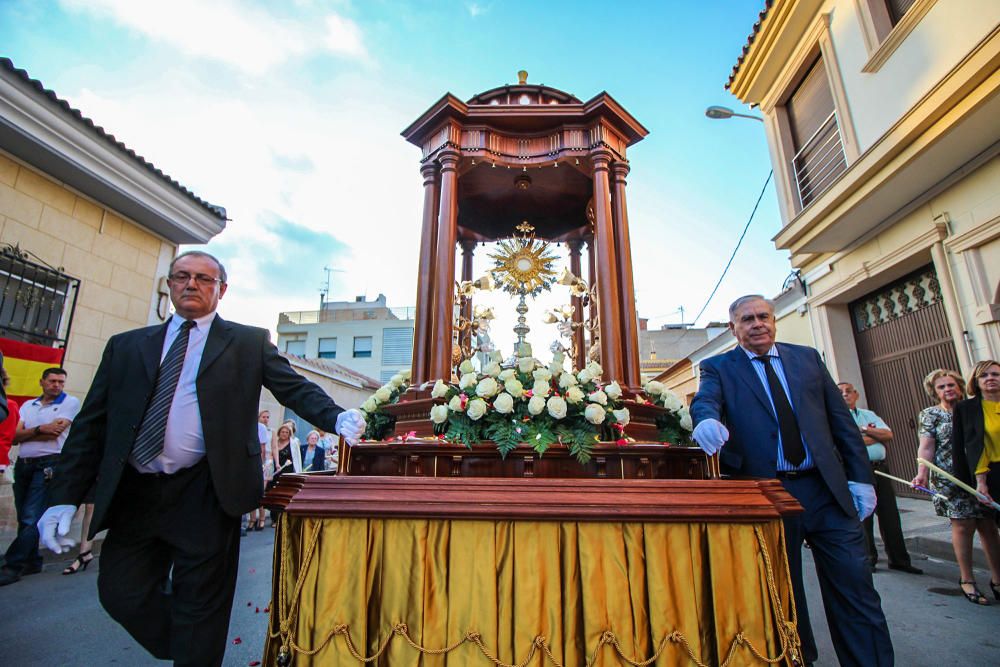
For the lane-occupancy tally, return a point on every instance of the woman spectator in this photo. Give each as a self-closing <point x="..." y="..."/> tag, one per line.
<point x="285" y="451"/>
<point x="967" y="515"/>
<point x="313" y="454"/>
<point x="8" y="426"/>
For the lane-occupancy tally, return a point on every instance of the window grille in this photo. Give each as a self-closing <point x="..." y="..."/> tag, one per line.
<point x="37" y="301"/>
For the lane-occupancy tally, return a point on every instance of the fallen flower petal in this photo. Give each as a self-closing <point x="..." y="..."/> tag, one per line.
<point x="237" y="641"/>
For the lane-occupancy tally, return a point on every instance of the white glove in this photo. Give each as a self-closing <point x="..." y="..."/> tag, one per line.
<point x="710" y="435"/>
<point x="53" y="528"/>
<point x="351" y="424"/>
<point x="864" y="498"/>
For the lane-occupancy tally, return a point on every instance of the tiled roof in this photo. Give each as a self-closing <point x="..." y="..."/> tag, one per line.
<point x="88" y="124"/>
<point x="750" y="39"/>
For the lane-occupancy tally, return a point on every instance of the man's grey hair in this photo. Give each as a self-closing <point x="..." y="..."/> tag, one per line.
<point x="735" y="305"/>
<point x="200" y="253"/>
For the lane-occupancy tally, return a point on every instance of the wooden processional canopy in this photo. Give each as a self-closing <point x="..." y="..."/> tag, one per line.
<point x="526" y="153"/>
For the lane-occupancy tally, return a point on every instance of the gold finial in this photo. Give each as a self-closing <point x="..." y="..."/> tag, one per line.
<point x="525" y="227"/>
<point x="522" y="77"/>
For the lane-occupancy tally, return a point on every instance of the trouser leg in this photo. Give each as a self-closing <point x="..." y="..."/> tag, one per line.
<point x="853" y="609"/>
<point x="30" y="502"/>
<point x="889" y="524"/>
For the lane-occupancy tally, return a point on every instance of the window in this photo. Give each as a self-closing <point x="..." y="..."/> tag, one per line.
<point x="397" y="346"/>
<point x="362" y="347"/>
<point x="327" y="348"/>
<point x="36" y="301"/>
<point x="885" y="24"/>
<point x="385" y="376"/>
<point x="897" y="8"/>
<point x="819" y="152"/>
<point x="296" y="347"/>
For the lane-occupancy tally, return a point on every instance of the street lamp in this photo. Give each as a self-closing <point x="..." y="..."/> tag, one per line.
<point x="721" y="113"/>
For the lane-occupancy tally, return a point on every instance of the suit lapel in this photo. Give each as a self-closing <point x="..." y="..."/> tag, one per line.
<point x="219" y="336"/>
<point x="744" y="370"/>
<point x="792" y="378"/>
<point x="152" y="349"/>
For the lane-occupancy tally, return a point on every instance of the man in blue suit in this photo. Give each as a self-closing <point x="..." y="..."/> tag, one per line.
<point x="772" y="410"/>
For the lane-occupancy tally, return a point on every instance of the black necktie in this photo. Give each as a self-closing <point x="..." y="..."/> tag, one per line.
<point x="791" y="438"/>
<point x="149" y="443"/>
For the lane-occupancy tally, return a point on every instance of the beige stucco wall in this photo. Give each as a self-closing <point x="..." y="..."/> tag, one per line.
<point x="344" y="395"/>
<point x="116" y="261"/>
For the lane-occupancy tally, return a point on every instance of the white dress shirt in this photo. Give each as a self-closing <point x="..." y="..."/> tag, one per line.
<point x="184" y="440"/>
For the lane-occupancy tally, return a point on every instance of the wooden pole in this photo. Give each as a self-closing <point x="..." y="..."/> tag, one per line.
<point x="631" y="376"/>
<point x="444" y="268"/>
<point x="423" y="319"/>
<point x="608" y="303"/>
<point x="468" y="247"/>
<point x="578" y="361"/>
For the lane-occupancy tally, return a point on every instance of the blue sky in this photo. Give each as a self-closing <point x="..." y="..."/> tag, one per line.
<point x="288" y="114"/>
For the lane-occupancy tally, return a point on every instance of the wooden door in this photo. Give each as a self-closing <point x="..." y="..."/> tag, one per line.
<point x="902" y="334"/>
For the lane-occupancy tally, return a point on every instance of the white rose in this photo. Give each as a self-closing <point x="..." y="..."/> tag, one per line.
<point x="396" y="380"/>
<point x="476" y="408"/>
<point x="654" y="388"/>
<point x="541" y="388"/>
<point x="492" y="369"/>
<point x="595" y="369"/>
<point x="622" y="416"/>
<point x="439" y="414"/>
<point x="504" y="403"/>
<point x="567" y="380"/>
<point x="555" y="369"/>
<point x="439" y="390"/>
<point x="584" y="376"/>
<point x="487" y="387"/>
<point x="526" y="364"/>
<point x="466" y="367"/>
<point x="455" y="404"/>
<point x="370" y="406"/>
<point x="574" y="395"/>
<point x="468" y="381"/>
<point x="514" y="387"/>
<point x="614" y="391"/>
<point x="383" y="394"/>
<point x="557" y="407"/>
<point x="406" y="374"/>
<point x="686" y="422"/>
<point x="536" y="405"/>
<point x="670" y="401"/>
<point x="541" y="374"/>
<point x="496" y="356"/>
<point x="598" y="397"/>
<point x="507" y="374"/>
<point x="594" y="413"/>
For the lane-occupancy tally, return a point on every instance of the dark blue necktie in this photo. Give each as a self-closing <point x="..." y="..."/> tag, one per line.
<point x="149" y="443"/>
<point x="788" y="425"/>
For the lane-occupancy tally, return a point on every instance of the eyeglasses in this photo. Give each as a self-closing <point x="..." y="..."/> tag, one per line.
<point x="183" y="278"/>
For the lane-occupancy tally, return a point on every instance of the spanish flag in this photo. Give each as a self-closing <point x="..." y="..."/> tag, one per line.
<point x="24" y="363"/>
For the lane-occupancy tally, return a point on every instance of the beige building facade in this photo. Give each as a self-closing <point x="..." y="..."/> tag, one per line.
<point x="881" y="120"/>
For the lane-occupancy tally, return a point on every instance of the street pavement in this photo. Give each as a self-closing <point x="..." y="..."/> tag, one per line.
<point x="49" y="620"/>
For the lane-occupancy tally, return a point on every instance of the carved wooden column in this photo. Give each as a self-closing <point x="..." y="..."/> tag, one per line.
<point x="468" y="247"/>
<point x="444" y="267"/>
<point x="605" y="258"/>
<point x="579" y="361"/>
<point x="423" y="325"/>
<point x="626" y="289"/>
<point x="591" y="281"/>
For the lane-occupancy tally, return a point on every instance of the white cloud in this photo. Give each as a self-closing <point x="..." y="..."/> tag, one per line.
<point x="476" y="9"/>
<point x="247" y="38"/>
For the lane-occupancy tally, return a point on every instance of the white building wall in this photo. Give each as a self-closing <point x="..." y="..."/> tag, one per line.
<point x="345" y="331"/>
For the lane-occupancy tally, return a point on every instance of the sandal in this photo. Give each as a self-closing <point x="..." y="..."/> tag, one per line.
<point x="79" y="563"/>
<point x="976" y="597"/>
<point x="260" y="524"/>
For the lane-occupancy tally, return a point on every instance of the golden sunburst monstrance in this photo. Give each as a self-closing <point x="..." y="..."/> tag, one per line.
<point x="523" y="265"/>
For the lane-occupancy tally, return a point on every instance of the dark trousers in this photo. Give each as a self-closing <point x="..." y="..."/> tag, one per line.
<point x="31" y="499"/>
<point x="853" y="608"/>
<point x="888" y="523"/>
<point x="171" y="527"/>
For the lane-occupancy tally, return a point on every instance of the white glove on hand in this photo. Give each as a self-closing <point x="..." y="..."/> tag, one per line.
<point x="53" y="528"/>
<point x="351" y="424"/>
<point x="710" y="435"/>
<point x="864" y="498"/>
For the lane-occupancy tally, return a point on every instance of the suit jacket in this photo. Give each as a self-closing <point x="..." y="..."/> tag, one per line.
<point x="731" y="392"/>
<point x="968" y="432"/>
<point x="319" y="458"/>
<point x="237" y="361"/>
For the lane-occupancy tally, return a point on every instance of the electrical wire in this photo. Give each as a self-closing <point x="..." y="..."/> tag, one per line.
<point x="740" y="241"/>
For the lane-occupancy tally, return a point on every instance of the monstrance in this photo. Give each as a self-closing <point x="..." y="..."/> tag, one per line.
<point x="523" y="268"/>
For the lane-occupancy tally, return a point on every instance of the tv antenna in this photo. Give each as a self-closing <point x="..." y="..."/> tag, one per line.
<point x="324" y="289"/>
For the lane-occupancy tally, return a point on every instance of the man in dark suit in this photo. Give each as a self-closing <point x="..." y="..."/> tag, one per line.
<point x="169" y="432"/>
<point x="772" y="410"/>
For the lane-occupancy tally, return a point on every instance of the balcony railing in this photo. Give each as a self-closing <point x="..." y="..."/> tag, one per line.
<point x="345" y="315"/>
<point x="820" y="161"/>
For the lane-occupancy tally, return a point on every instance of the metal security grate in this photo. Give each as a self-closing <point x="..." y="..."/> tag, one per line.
<point x="397" y="346"/>
<point x="37" y="301"/>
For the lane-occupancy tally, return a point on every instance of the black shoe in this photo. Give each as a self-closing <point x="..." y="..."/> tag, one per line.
<point x="9" y="576"/>
<point x="909" y="569"/>
<point x="30" y="569"/>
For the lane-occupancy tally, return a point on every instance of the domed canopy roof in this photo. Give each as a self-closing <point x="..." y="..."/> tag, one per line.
<point x="523" y="93"/>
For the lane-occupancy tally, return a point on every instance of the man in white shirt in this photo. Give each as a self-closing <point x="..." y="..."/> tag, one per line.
<point x="41" y="432"/>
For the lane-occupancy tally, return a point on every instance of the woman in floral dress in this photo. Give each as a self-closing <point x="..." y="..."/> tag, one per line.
<point x="967" y="514"/>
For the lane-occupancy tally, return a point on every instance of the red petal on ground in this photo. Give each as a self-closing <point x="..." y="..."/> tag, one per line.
<point x="256" y="610"/>
<point x="267" y="610"/>
<point x="237" y="641"/>
<point x="253" y="663"/>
